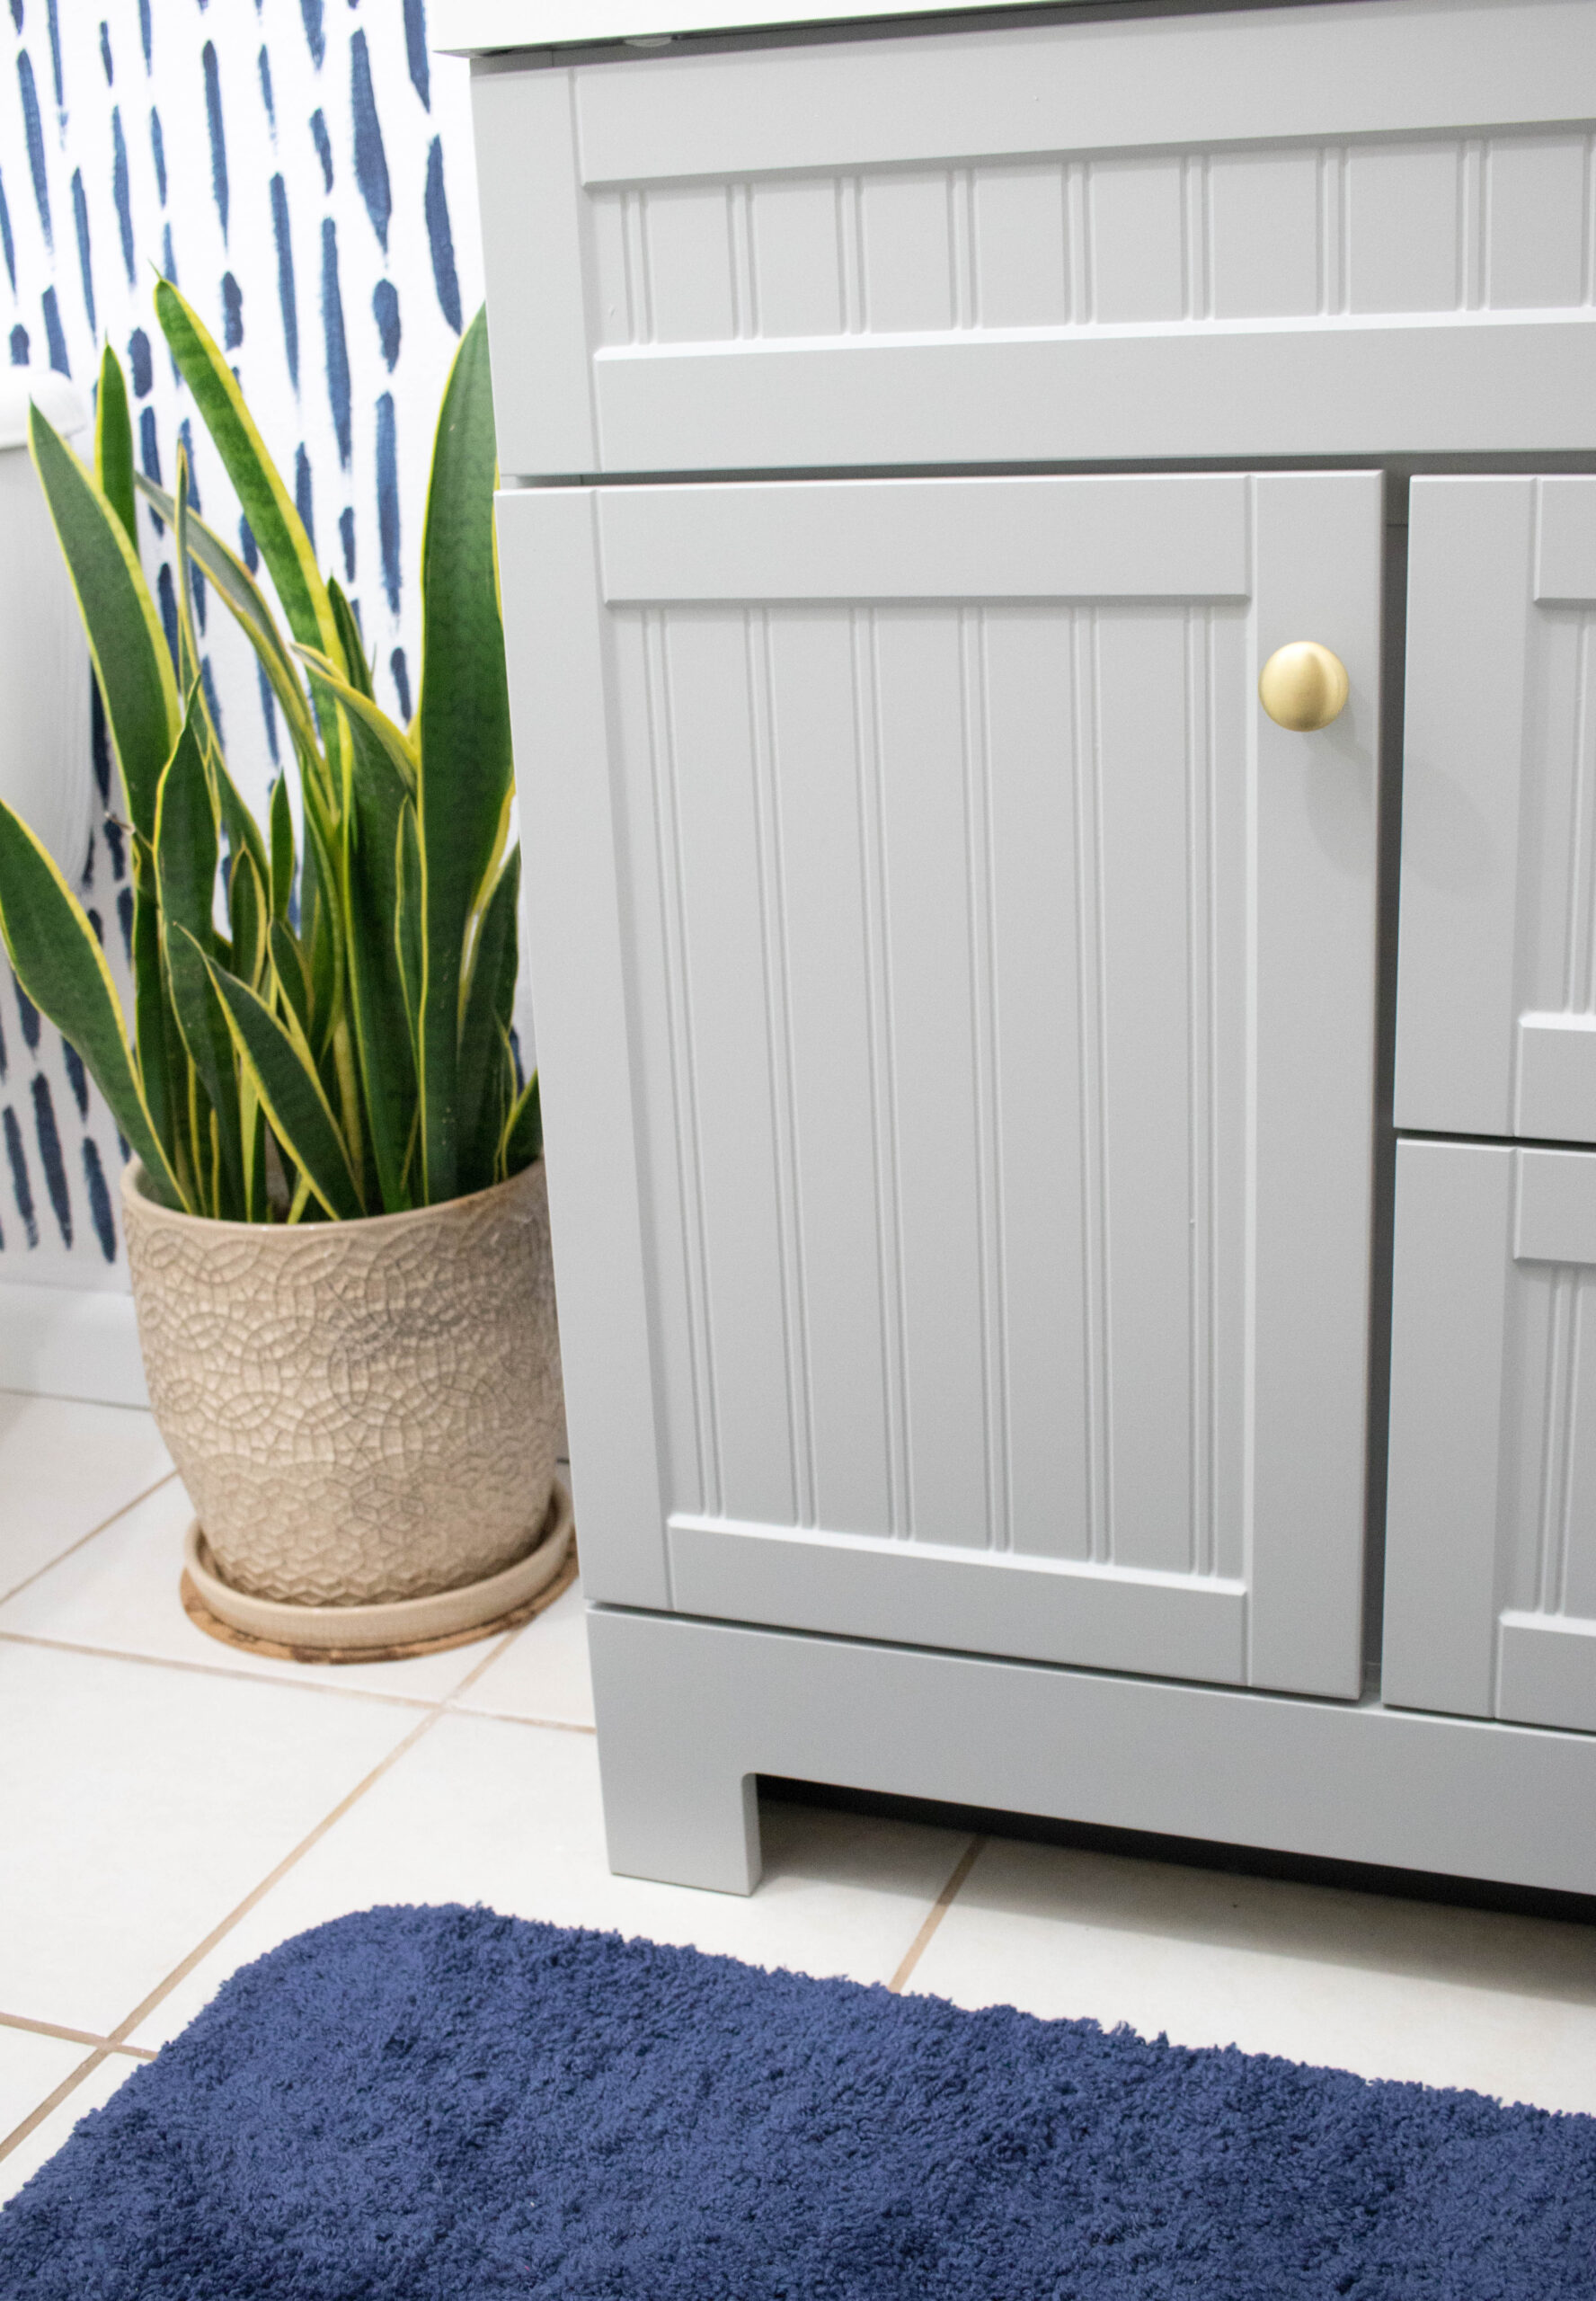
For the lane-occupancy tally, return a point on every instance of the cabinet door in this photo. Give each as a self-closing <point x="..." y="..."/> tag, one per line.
<point x="1491" y="1531"/>
<point x="1496" y="992"/>
<point x="955" y="1002"/>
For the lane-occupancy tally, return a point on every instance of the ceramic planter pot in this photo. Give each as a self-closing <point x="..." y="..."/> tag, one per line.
<point x="366" y="1415"/>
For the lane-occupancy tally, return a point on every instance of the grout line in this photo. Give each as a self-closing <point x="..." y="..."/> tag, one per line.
<point x="317" y="1685"/>
<point x="257" y="1894"/>
<point x="72" y="1548"/>
<point x="937" y="1912"/>
<point x="516" y="1718"/>
<point x="53" y="2100"/>
<point x="72" y="2036"/>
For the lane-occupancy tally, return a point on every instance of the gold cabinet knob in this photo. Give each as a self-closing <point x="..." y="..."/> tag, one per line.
<point x="1303" y="686"/>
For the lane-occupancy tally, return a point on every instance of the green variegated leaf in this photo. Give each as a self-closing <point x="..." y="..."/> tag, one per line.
<point x="143" y="711"/>
<point x="464" y="720"/>
<point x="407" y="933"/>
<point x="283" y="858"/>
<point x="285" y="1080"/>
<point x="288" y="968"/>
<point x="484" y="1025"/>
<point x="357" y="669"/>
<point x="186" y="846"/>
<point x="243" y="596"/>
<point x="523" y="1133"/>
<point x="361" y="710"/>
<point x="250" y="914"/>
<point x="203" y="1022"/>
<point x="113" y="445"/>
<point x="60" y="964"/>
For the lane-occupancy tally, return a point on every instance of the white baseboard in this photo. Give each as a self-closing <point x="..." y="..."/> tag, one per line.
<point x="69" y="1342"/>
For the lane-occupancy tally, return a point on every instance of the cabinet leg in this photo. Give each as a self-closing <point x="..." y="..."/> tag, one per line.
<point x="676" y="1806"/>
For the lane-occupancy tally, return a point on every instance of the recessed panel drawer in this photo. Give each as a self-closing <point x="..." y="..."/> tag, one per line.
<point x="1304" y="231"/>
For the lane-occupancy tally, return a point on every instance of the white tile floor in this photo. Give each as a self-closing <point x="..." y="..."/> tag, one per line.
<point x="170" y="1808"/>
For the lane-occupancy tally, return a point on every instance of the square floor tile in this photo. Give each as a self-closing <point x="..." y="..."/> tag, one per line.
<point x="32" y="2066"/>
<point x="92" y="2093"/>
<point x="1389" y="1988"/>
<point x="119" y="1593"/>
<point x="483" y="1811"/>
<point x="543" y="1672"/>
<point x="65" y="1469"/>
<point x="138" y="1806"/>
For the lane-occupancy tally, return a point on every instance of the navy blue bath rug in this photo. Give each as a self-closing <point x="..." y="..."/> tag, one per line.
<point x="444" y="2105"/>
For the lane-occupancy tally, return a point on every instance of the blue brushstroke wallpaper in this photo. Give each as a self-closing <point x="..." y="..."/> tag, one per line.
<point x="303" y="170"/>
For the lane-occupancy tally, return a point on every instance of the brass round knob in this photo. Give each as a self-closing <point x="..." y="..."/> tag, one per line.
<point x="1303" y="686"/>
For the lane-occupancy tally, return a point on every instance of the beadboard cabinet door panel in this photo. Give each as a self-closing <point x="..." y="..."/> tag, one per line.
<point x="1491" y="1525"/>
<point x="1496" y="980"/>
<point x="1336" y="230"/>
<point x="982" y="989"/>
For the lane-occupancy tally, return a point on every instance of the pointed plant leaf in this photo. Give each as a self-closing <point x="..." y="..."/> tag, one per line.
<point x="263" y="497"/>
<point x="283" y="857"/>
<point x="61" y="966"/>
<point x="291" y="1095"/>
<point x="357" y="669"/>
<point x="287" y="966"/>
<point x="396" y="746"/>
<point x="113" y="444"/>
<point x="484" y="1022"/>
<point x="463" y="720"/>
<point x="202" y="1020"/>
<point x="186" y="846"/>
<point x="127" y="644"/>
<point x="249" y="913"/>
<point x="523" y="1133"/>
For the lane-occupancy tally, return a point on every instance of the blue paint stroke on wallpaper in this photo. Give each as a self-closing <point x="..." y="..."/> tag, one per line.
<point x="125" y="920"/>
<point x="139" y="360"/>
<point x="54" y="42"/>
<point x="218" y="141"/>
<point x="158" y="153"/>
<point x="213" y="701"/>
<point x="80" y="219"/>
<point x="21" y="1188"/>
<point x="248" y="546"/>
<point x="322" y="142"/>
<point x="105" y="53"/>
<point x="19" y="346"/>
<point x="115" y="848"/>
<point x="336" y="342"/>
<point x="168" y="260"/>
<point x="167" y="594"/>
<point x="97" y="923"/>
<point x="232" y="313"/>
<point x="28" y="1016"/>
<point x="5" y="1061"/>
<point x="144" y="30"/>
<point x="47" y="1134"/>
<point x="6" y="243"/>
<point x="264" y="66"/>
<point x="33" y="128"/>
<point x="100" y="1212"/>
<point x="17" y="13"/>
<point x="285" y="277"/>
<point x="387" y="498"/>
<point x="149" y="448"/>
<point x="268" y="710"/>
<point x="100" y="752"/>
<point x="399" y="671"/>
<point x="77" y="1077"/>
<point x="120" y="190"/>
<point x="311" y="12"/>
<point x="53" y="335"/>
<point x="371" y="164"/>
<point x="415" y="51"/>
<point x="385" y="310"/>
<point x="440" y="239"/>
<point x="303" y="494"/>
<point x="346" y="537"/>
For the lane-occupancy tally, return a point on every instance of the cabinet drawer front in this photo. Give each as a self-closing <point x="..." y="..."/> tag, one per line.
<point x="1490" y="1532"/>
<point x="981" y="990"/>
<point x="1496" y="980"/>
<point x="1303" y="232"/>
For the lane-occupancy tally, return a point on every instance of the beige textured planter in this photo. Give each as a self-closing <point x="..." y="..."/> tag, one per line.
<point x="362" y="1412"/>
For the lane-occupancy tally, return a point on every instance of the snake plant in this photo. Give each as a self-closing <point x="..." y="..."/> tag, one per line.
<point x="321" y="1024"/>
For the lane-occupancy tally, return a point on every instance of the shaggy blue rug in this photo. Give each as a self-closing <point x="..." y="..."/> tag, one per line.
<point x="444" y="2105"/>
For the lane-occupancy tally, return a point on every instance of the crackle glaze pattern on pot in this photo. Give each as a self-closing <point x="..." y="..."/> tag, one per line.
<point x="361" y="1411"/>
